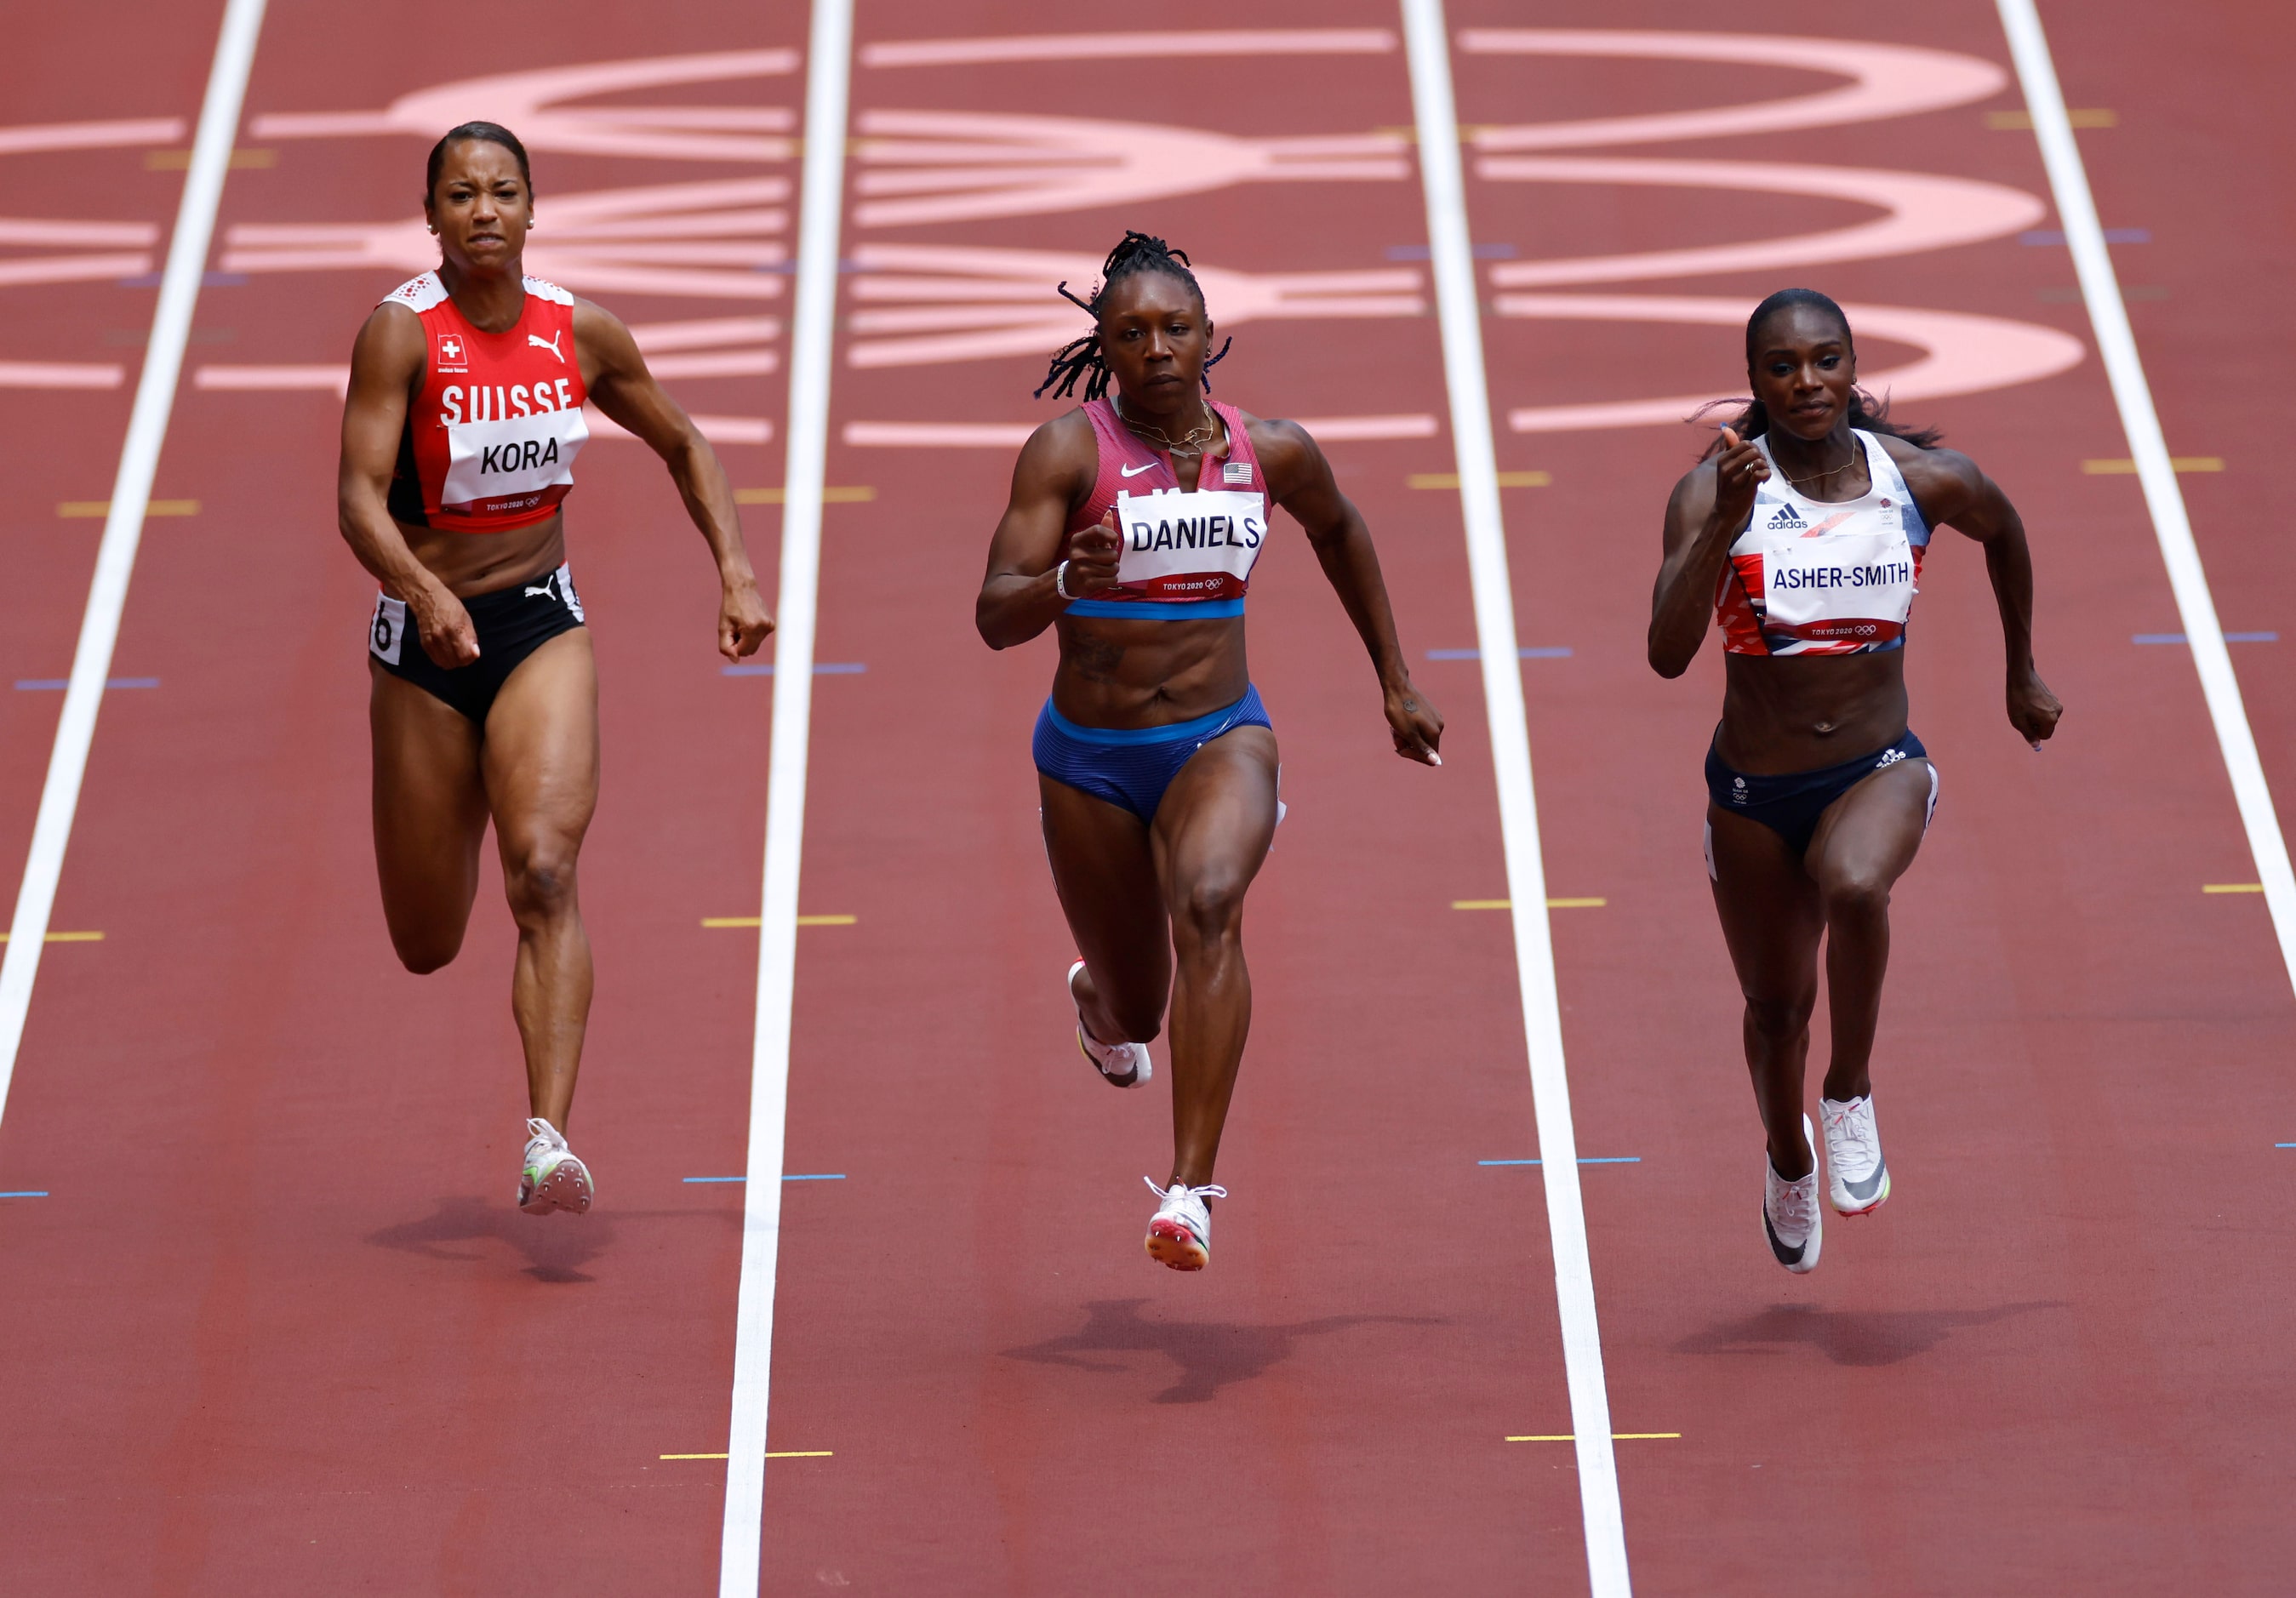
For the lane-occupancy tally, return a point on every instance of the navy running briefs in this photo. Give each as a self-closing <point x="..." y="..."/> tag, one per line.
<point x="1791" y="803"/>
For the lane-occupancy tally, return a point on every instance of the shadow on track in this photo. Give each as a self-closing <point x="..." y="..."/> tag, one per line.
<point x="1850" y="1337"/>
<point x="1211" y="1354"/>
<point x="555" y="1247"/>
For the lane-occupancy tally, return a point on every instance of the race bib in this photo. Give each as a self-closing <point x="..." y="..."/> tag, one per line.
<point x="385" y="630"/>
<point x="512" y="465"/>
<point x="1189" y="546"/>
<point x="1847" y="587"/>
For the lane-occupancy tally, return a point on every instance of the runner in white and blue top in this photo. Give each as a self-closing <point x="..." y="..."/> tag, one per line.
<point x="1133" y="527"/>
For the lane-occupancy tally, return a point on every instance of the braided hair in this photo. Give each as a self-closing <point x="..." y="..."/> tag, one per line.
<point x="1139" y="252"/>
<point x="1866" y="413"/>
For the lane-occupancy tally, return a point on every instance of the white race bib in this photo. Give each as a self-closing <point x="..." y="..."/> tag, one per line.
<point x="491" y="462"/>
<point x="1854" y="580"/>
<point x="1175" y="544"/>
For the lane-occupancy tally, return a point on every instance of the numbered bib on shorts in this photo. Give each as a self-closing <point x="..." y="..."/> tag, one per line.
<point x="386" y="632"/>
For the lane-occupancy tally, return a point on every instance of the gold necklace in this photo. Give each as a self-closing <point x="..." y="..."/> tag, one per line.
<point x="1192" y="445"/>
<point x="1801" y="481"/>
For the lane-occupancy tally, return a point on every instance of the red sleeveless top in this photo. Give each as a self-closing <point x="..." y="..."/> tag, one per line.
<point x="1186" y="555"/>
<point x="490" y="441"/>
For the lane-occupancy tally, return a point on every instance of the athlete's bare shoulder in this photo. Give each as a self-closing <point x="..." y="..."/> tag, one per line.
<point x="1288" y="453"/>
<point x="389" y="346"/>
<point x="1942" y="481"/>
<point x="1062" y="451"/>
<point x="1693" y="499"/>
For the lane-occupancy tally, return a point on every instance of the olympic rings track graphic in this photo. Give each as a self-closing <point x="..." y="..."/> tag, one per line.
<point x="273" y="1324"/>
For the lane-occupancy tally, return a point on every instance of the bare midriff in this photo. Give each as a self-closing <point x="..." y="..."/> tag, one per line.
<point x="1128" y="674"/>
<point x="472" y="564"/>
<point x="1786" y="713"/>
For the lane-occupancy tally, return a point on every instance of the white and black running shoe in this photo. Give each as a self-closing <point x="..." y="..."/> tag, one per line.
<point x="1790" y="1214"/>
<point x="1180" y="1232"/>
<point x="1856" y="1181"/>
<point x="1121" y="1064"/>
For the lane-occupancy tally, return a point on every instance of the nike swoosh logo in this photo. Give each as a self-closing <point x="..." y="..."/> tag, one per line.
<point x="1136" y="471"/>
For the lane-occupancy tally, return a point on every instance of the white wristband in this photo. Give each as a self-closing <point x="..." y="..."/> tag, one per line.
<point x="1061" y="580"/>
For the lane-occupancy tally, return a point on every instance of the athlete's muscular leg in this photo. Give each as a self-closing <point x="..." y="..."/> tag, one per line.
<point x="1864" y="842"/>
<point x="1106" y="879"/>
<point x="430" y="814"/>
<point x="1771" y="919"/>
<point x="540" y="763"/>
<point x="1211" y="835"/>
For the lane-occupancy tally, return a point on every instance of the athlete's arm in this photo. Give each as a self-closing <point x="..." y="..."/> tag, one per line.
<point x="1019" y="596"/>
<point x="1299" y="479"/>
<point x="386" y="362"/>
<point x="1708" y="509"/>
<point x="621" y="387"/>
<point x="1952" y="492"/>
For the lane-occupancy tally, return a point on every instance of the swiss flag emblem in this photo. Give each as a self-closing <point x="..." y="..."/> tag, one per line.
<point x="452" y="355"/>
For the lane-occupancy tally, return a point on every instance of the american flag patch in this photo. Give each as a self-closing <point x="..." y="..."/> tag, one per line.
<point x="1236" y="471"/>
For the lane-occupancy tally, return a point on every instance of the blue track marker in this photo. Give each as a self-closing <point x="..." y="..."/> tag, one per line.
<point x="1583" y="1160"/>
<point x="58" y="684"/>
<point x="24" y="1195"/>
<point x="208" y="280"/>
<point x="1420" y="252"/>
<point x="821" y="668"/>
<point x="2180" y="638"/>
<point x="2277" y="1145"/>
<point x="1537" y="652"/>
<point x="2113" y="235"/>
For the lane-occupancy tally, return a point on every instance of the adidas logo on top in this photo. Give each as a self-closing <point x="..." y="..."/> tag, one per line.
<point x="1786" y="519"/>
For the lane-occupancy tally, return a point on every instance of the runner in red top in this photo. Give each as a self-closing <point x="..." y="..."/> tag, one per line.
<point x="460" y="432"/>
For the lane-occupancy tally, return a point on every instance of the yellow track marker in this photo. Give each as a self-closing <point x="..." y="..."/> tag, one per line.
<point x="2022" y="121"/>
<point x="792" y="1453"/>
<point x="180" y="160"/>
<point x="2231" y="887"/>
<point x="1623" y="1436"/>
<point x="2129" y="468"/>
<point x="1506" y="479"/>
<point x="1469" y="132"/>
<point x="829" y="496"/>
<point x="65" y="938"/>
<point x="802" y="921"/>
<point x="96" y="510"/>
<point x="1509" y="904"/>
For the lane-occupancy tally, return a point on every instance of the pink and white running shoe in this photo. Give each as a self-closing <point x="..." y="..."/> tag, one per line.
<point x="1180" y="1234"/>
<point x="1121" y="1064"/>
<point x="552" y="1176"/>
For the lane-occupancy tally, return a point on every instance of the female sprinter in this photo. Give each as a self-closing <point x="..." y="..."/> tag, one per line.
<point x="463" y="417"/>
<point x="1132" y="530"/>
<point x="1805" y="534"/>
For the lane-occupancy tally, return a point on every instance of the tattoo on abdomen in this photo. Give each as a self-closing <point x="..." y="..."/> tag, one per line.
<point x="1096" y="659"/>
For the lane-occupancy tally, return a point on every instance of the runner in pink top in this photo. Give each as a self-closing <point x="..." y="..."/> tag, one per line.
<point x="1132" y="530"/>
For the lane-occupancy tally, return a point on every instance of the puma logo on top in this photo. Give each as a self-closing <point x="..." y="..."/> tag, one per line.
<point x="1787" y="516"/>
<point x="550" y="344"/>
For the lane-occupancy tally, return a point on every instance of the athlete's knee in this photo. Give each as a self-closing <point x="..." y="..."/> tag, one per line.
<point x="539" y="879"/>
<point x="1211" y="907"/>
<point x="423" y="953"/>
<point x="1780" y="1021"/>
<point x="1853" y="891"/>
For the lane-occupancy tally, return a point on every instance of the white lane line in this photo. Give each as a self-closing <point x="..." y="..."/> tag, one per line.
<point x="1428" y="45"/>
<point x="2117" y="343"/>
<point x="828" y="79"/>
<point x="123" y="525"/>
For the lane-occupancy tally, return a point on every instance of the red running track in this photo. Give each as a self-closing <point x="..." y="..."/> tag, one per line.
<point x="277" y="1325"/>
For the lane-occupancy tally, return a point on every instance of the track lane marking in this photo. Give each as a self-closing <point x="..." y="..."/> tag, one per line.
<point x="1564" y="1436"/>
<point x="1509" y="904"/>
<point x="2116" y="342"/>
<point x="123" y="524"/>
<point x="782" y="1454"/>
<point x="802" y="921"/>
<point x="1427" y="46"/>
<point x="96" y="510"/>
<point x="828" y="72"/>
